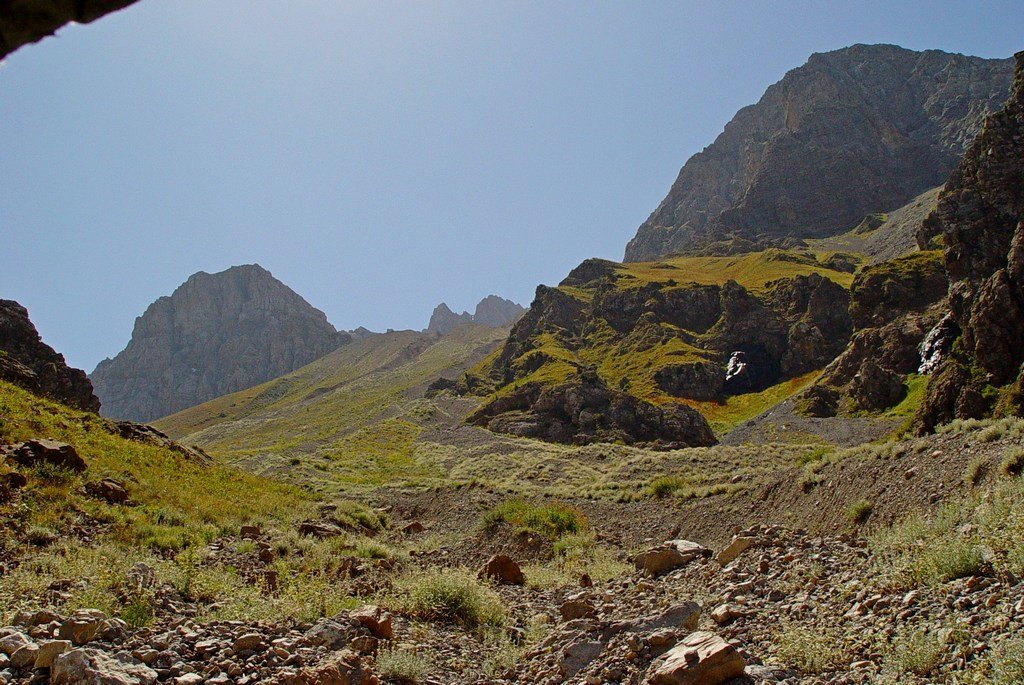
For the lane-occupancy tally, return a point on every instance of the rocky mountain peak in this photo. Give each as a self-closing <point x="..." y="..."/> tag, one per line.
<point x="492" y="311"/>
<point x="217" y="333"/>
<point x="853" y="131"/>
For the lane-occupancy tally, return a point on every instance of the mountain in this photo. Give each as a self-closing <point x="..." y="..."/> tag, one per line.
<point x="858" y="130"/>
<point x="26" y="361"/>
<point x="492" y="311"/>
<point x="217" y="333"/>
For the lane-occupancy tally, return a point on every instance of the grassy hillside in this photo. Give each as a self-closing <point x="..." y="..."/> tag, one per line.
<point x="753" y="270"/>
<point x="179" y="502"/>
<point x="348" y="420"/>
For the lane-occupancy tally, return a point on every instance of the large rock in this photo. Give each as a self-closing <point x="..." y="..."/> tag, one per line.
<point x="981" y="219"/>
<point x="41" y="451"/>
<point x="857" y="130"/>
<point x="701" y="659"/>
<point x="93" y="667"/>
<point x="27" y="361"/>
<point x="502" y="569"/>
<point x="341" y="668"/>
<point x="668" y="557"/>
<point x="214" y="335"/>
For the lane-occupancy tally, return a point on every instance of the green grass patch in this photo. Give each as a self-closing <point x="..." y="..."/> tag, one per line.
<point x="447" y="595"/>
<point x="550" y="520"/>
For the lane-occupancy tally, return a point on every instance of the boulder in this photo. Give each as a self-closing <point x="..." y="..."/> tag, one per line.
<point x="502" y="569"/>
<point x="577" y="607"/>
<point x="114" y="492"/>
<point x="342" y="668"/>
<point x="250" y="532"/>
<point x="49" y="651"/>
<point x="25" y="657"/>
<point x="374" y="619"/>
<point x="320" y="529"/>
<point x="41" y="451"/>
<point x="86" y="666"/>
<point x="331" y="633"/>
<point x="668" y="557"/>
<point x="700" y="659"/>
<point x="738" y="546"/>
<point x="247" y="642"/>
<point x="82" y="626"/>
<point x="413" y="528"/>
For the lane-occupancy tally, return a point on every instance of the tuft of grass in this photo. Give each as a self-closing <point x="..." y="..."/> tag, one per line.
<point x="860" y="511"/>
<point x="1006" y="663"/>
<point x="401" y="667"/>
<point x="667" y="486"/>
<point x="550" y="520"/>
<point x="1012" y="463"/>
<point x="812" y="650"/>
<point x="916" y="652"/>
<point x="975" y="470"/>
<point x="448" y="595"/>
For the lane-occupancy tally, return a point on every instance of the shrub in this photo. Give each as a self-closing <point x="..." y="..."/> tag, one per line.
<point x="975" y="470"/>
<point x="1006" y="663"/>
<point x="371" y="549"/>
<point x="550" y="520"/>
<point x="355" y="515"/>
<point x="401" y="667"/>
<point x="448" y="595"/>
<point x="1012" y="463"/>
<point x="860" y="511"/>
<point x="138" y="612"/>
<point x="667" y="486"/>
<point x="915" y="651"/>
<point x="811" y="650"/>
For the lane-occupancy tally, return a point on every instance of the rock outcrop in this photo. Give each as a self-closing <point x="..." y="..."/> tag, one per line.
<point x="981" y="220"/>
<point x="214" y="335"/>
<point x="584" y="410"/>
<point x="27" y="361"/>
<point x="492" y="311"/>
<point x="29" y="21"/>
<point x="853" y="131"/>
<point x="609" y="332"/>
<point x="893" y="307"/>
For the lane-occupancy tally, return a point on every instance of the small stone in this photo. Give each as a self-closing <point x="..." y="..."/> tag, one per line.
<point x="247" y="642"/>
<point x="374" y="619"/>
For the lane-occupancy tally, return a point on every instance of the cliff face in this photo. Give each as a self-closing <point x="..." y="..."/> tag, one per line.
<point x="857" y="130"/>
<point x="981" y="219"/>
<point x="27" y="361"/>
<point x="215" y="334"/>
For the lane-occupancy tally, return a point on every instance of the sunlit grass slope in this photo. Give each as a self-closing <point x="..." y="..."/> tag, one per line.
<point x="178" y="501"/>
<point x="349" y="418"/>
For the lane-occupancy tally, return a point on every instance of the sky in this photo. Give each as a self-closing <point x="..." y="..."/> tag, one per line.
<point x="382" y="157"/>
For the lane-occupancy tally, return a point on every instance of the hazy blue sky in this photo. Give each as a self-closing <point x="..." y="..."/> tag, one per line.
<point x="381" y="157"/>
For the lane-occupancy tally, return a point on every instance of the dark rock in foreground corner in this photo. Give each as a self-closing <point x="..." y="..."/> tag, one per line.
<point x="26" y="361"/>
